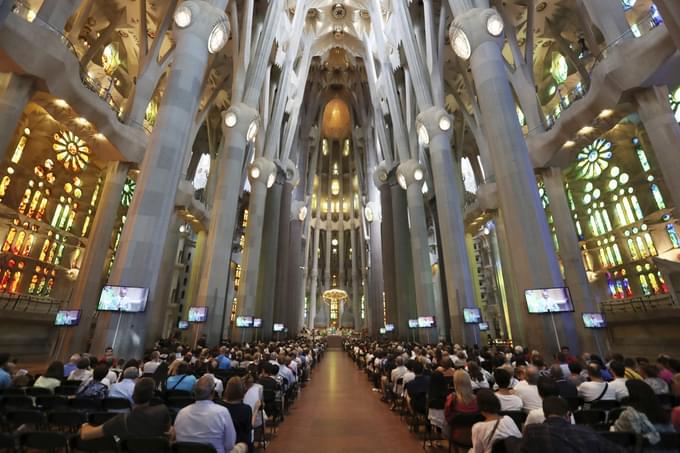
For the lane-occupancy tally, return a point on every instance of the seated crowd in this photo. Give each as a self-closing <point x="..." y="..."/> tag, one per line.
<point x="501" y="399"/>
<point x="222" y="397"/>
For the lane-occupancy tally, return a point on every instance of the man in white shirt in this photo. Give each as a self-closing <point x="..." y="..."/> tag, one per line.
<point x="495" y="427"/>
<point x="595" y="389"/>
<point x="509" y="401"/>
<point x="126" y="387"/>
<point x="151" y="365"/>
<point x="526" y="389"/>
<point x="397" y="373"/>
<point x="206" y="422"/>
<point x="618" y="369"/>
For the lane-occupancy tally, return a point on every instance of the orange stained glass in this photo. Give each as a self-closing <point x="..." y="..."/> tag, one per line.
<point x="14" y="284"/>
<point x="11" y="234"/>
<point x="25" y="200"/>
<point x="17" y="247"/>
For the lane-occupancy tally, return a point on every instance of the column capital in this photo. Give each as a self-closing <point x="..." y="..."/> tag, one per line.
<point x="263" y="171"/>
<point x="381" y="174"/>
<point x="431" y="122"/>
<point x="241" y="119"/>
<point x="203" y="20"/>
<point x="410" y="172"/>
<point x="473" y="28"/>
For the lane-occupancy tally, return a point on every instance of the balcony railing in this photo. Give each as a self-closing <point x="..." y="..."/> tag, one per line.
<point x="29" y="304"/>
<point x="639" y="304"/>
<point x="24" y="11"/>
<point x="636" y="30"/>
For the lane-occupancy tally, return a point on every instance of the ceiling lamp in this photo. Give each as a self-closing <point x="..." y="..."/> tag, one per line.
<point x="183" y="16"/>
<point x="494" y="23"/>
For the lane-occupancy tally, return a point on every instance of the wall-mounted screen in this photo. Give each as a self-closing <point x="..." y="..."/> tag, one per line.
<point x="389" y="327"/>
<point x="426" y="321"/>
<point x="594" y="320"/>
<point x="472" y="315"/>
<point x="382" y="331"/>
<point x="183" y="325"/>
<point x="244" y="321"/>
<point x="412" y="323"/>
<point x="548" y="300"/>
<point x="123" y="298"/>
<point x="483" y="326"/>
<point x="278" y="327"/>
<point x="257" y="322"/>
<point x="67" y="318"/>
<point x="198" y="314"/>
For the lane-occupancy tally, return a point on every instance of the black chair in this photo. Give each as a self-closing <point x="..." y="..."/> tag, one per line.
<point x="45" y="441"/>
<point x="614" y="414"/>
<point x="192" y="447"/>
<point x="34" y="418"/>
<point x="73" y="383"/>
<point x="15" y="402"/>
<point x="99" y="418"/>
<point x="668" y="442"/>
<point x="7" y="442"/>
<point x="627" y="440"/>
<point x="38" y="391"/>
<point x="116" y="404"/>
<point x="605" y="405"/>
<point x="85" y="404"/>
<point x="101" y="445"/>
<point x="147" y="444"/>
<point x="67" y="419"/>
<point x="14" y="392"/>
<point x="667" y="400"/>
<point x="590" y="417"/>
<point x="179" y="402"/>
<point x="66" y="390"/>
<point x="461" y="431"/>
<point x="178" y="393"/>
<point x="508" y="445"/>
<point x="574" y="403"/>
<point x="51" y="402"/>
<point x="519" y="417"/>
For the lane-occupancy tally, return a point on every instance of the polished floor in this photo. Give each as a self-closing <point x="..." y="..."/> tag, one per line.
<point x="338" y="412"/>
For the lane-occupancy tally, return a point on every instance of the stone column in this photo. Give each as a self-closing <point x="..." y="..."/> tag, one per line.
<point x="282" y="301"/>
<point x="262" y="175"/>
<point x="581" y="292"/>
<point x="140" y="254"/>
<point x="663" y="132"/>
<point x="459" y="289"/>
<point x="411" y="175"/>
<point x="356" y="301"/>
<point x="85" y="294"/>
<point x="267" y="273"/>
<point x="237" y="134"/>
<point x="534" y="260"/>
<point x="670" y="11"/>
<point x="388" y="259"/>
<point x="293" y="313"/>
<point x="609" y="17"/>
<point x="15" y="93"/>
<point x="315" y="272"/>
<point x="57" y="12"/>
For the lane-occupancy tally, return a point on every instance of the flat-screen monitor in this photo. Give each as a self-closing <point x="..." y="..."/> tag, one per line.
<point x="257" y="322"/>
<point x="426" y="321"/>
<point x="198" y="314"/>
<point x="594" y="320"/>
<point x="548" y="300"/>
<point x="67" y="318"/>
<point x="279" y="327"/>
<point x="472" y="315"/>
<point x="123" y="298"/>
<point x="244" y="321"/>
<point x="483" y="326"/>
<point x="382" y="331"/>
<point x="412" y="323"/>
<point x="389" y="327"/>
<point x="183" y="325"/>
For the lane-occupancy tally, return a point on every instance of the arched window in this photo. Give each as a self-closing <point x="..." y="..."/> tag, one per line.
<point x="9" y="240"/>
<point x="673" y="235"/>
<point x="469" y="181"/>
<point x="656" y="193"/>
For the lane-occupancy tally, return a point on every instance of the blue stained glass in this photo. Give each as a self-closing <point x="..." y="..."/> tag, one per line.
<point x="673" y="235"/>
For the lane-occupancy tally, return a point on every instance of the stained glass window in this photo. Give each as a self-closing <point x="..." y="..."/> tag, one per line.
<point x="469" y="181"/>
<point x="202" y="172"/>
<point x="594" y="159"/>
<point x="674" y="98"/>
<point x="673" y="235"/>
<point x="632" y="249"/>
<point x="559" y="68"/>
<point x="19" y="149"/>
<point x="645" y="286"/>
<point x="71" y="151"/>
<point x="656" y="192"/>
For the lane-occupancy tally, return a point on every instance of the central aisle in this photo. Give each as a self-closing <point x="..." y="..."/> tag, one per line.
<point x="338" y="412"/>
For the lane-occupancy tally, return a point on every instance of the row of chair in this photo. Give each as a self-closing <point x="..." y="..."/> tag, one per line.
<point x="69" y="442"/>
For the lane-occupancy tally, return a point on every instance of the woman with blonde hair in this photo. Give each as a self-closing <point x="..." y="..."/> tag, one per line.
<point x="461" y="401"/>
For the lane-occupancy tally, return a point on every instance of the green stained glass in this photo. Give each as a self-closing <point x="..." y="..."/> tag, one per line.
<point x="632" y="249"/>
<point x="674" y="99"/>
<point x="645" y="286"/>
<point x="636" y="206"/>
<point x="128" y="191"/>
<point x="650" y="244"/>
<point x="617" y="254"/>
<point x="673" y="235"/>
<point x="656" y="192"/>
<point x="593" y="159"/>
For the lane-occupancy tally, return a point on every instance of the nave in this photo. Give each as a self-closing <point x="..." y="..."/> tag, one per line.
<point x="337" y="412"/>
